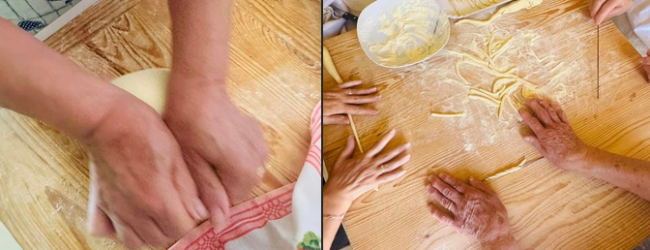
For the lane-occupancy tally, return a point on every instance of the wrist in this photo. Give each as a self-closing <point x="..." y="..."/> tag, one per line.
<point x="193" y="84"/>
<point x="584" y="160"/>
<point x="335" y="202"/>
<point x="504" y="241"/>
<point x="123" y="118"/>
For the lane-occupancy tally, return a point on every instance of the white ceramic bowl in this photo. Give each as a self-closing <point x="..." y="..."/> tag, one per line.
<point x="409" y="47"/>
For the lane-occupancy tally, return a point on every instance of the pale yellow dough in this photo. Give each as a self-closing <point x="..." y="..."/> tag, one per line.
<point x="148" y="85"/>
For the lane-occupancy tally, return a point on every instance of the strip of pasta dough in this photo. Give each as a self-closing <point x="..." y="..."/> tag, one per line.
<point x="455" y="114"/>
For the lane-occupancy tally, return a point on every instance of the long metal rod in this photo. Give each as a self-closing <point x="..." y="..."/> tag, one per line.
<point x="598" y="63"/>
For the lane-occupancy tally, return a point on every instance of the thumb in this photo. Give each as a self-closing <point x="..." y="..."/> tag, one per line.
<point x="98" y="222"/>
<point x="535" y="142"/>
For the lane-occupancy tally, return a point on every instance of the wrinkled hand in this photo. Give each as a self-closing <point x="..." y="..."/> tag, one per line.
<point x="346" y="100"/>
<point x="475" y="210"/>
<point x="645" y="62"/>
<point x="220" y="144"/>
<point x="602" y="10"/>
<point x="553" y="136"/>
<point x="141" y="190"/>
<point x="351" y="176"/>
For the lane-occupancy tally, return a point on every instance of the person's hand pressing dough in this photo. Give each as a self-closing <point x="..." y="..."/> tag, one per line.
<point x="602" y="10"/>
<point x="219" y="143"/>
<point x="553" y="136"/>
<point x="346" y="100"/>
<point x="472" y="209"/>
<point x="141" y="191"/>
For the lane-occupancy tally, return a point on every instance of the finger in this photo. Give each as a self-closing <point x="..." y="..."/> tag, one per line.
<point x="347" y="151"/>
<point x="618" y="11"/>
<point x="595" y="7"/>
<point x="480" y="185"/>
<point x="126" y="235"/>
<point x="379" y="146"/>
<point x="560" y="112"/>
<point x="391" y="176"/>
<point x="445" y="189"/>
<point x="394" y="164"/>
<point x="355" y="110"/>
<point x="441" y="199"/>
<point x="605" y="10"/>
<point x="331" y="95"/>
<point x="460" y="186"/>
<point x="540" y="112"/>
<point x="441" y="216"/>
<point x="551" y="111"/>
<point x="335" y="119"/>
<point x="147" y="230"/>
<point x="212" y="193"/>
<point x="531" y="121"/>
<point x="535" y="142"/>
<point x="355" y="99"/>
<point x="387" y="156"/>
<point x="99" y="224"/>
<point x="350" y="84"/>
<point x="190" y="196"/>
<point x="363" y="91"/>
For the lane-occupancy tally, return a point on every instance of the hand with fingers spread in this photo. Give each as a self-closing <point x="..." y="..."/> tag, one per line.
<point x="645" y="62"/>
<point x="346" y="100"/>
<point x="553" y="136"/>
<point x="602" y="10"/>
<point x="472" y="209"/>
<point x="351" y="176"/>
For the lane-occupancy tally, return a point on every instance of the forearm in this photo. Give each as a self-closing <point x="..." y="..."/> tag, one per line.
<point x="38" y="82"/>
<point x="333" y="205"/>
<point x="627" y="173"/>
<point x="201" y="31"/>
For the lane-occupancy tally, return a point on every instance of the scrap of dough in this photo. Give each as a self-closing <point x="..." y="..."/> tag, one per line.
<point x="148" y="85"/>
<point x="329" y="66"/>
<point x="455" y="114"/>
<point x="508" y="171"/>
<point x="515" y="6"/>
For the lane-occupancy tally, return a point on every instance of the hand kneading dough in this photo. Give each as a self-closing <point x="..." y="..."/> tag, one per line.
<point x="149" y="85"/>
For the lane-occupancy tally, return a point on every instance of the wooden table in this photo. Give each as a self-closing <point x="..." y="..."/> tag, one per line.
<point x="548" y="208"/>
<point x="274" y="76"/>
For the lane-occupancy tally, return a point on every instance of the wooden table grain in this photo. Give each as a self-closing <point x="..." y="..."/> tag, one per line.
<point x="274" y="76"/>
<point x="548" y="208"/>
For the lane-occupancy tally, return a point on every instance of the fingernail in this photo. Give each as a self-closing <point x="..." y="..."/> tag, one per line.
<point x="429" y="188"/>
<point x="527" y="139"/>
<point x="201" y="211"/>
<point x="408" y="145"/>
<point x="471" y="178"/>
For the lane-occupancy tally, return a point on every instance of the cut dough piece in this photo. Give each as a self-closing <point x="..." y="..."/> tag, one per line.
<point x="148" y="85"/>
<point x="455" y="114"/>
<point x="515" y="6"/>
<point x="329" y="66"/>
<point x="508" y="171"/>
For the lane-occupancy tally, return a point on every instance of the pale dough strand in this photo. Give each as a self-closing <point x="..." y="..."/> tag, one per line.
<point x="455" y="114"/>
<point x="329" y="66"/>
<point x="507" y="171"/>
